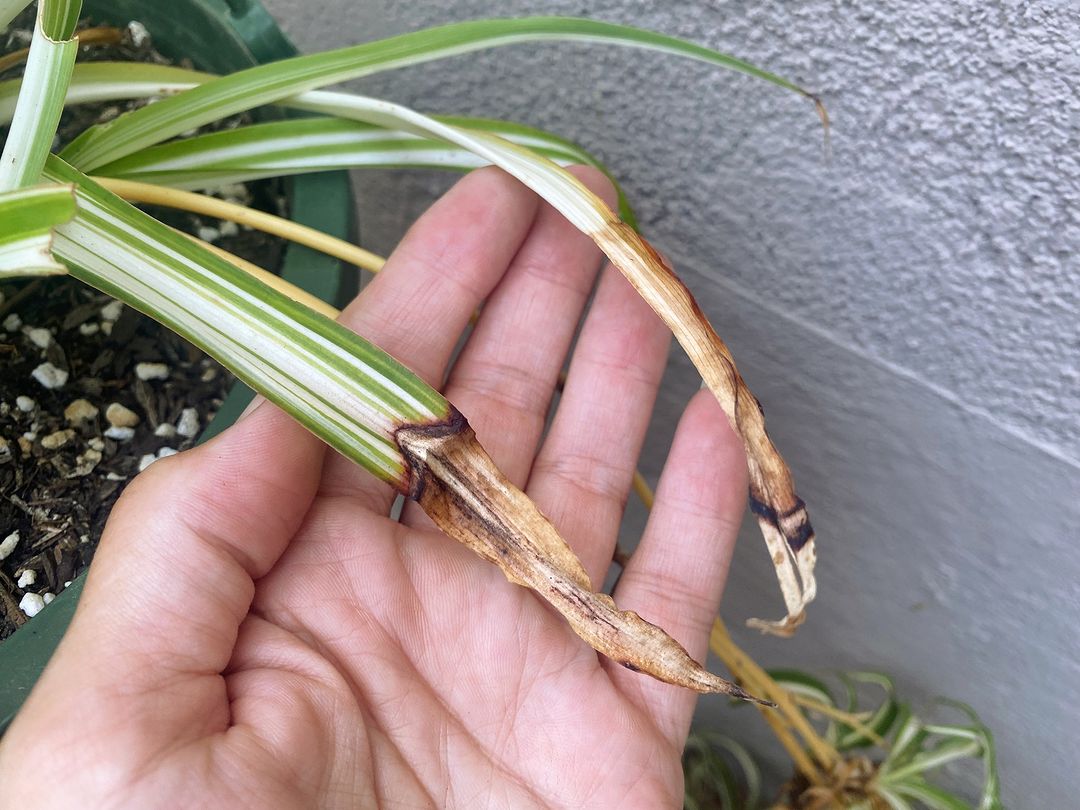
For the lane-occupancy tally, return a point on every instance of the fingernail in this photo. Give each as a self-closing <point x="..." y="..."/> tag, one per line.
<point x="251" y="408"/>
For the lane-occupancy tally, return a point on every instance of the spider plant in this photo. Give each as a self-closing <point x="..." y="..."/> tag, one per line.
<point x="361" y="401"/>
<point x="865" y="749"/>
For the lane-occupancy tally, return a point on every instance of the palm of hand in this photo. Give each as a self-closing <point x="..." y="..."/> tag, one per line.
<point x="286" y="643"/>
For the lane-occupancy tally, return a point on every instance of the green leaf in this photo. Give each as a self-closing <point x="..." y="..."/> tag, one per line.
<point x="341" y="387"/>
<point x="37" y="111"/>
<point x="27" y="217"/>
<point x="322" y="144"/>
<point x="711" y="781"/>
<point x="58" y="18"/>
<point x="942" y="753"/>
<point x="991" y="795"/>
<point x="894" y="800"/>
<point x="266" y="84"/>
<point x="883" y="718"/>
<point x="930" y="795"/>
<point x="112" y="81"/>
<point x="309" y="145"/>
<point x="907" y="740"/>
<point x="800" y="683"/>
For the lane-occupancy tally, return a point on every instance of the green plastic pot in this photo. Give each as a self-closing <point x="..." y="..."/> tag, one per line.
<point x="218" y="36"/>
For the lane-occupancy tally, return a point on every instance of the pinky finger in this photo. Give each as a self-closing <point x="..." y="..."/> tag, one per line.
<point x="676" y="576"/>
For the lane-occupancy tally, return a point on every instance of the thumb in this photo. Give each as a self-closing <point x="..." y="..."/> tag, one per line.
<point x="174" y="576"/>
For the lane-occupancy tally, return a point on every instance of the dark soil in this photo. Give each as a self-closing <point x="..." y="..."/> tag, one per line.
<point x="60" y="476"/>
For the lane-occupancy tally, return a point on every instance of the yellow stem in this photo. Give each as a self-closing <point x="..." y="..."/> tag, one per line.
<point x="758" y="682"/>
<point x="742" y="666"/>
<point x="89" y="36"/>
<point x="277" y="282"/>
<point x="847" y="718"/>
<point x="641" y="488"/>
<point x="242" y="215"/>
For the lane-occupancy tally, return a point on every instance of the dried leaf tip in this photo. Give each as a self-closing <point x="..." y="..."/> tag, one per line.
<point x="459" y="487"/>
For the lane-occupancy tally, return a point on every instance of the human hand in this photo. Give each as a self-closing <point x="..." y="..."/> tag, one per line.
<point x="257" y="632"/>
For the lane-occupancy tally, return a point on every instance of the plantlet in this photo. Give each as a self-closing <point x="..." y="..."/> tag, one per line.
<point x="345" y="390"/>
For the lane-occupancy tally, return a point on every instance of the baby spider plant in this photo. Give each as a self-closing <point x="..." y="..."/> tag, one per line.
<point x="359" y="400"/>
<point x="863" y="749"/>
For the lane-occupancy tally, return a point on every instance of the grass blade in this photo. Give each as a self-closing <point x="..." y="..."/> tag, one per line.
<point x="42" y="94"/>
<point x="27" y="217"/>
<point x="267" y="84"/>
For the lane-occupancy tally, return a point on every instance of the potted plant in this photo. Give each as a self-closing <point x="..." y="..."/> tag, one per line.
<point x="359" y="400"/>
<point x="229" y="37"/>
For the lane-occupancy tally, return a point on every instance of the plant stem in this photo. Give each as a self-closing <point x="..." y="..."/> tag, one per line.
<point x="847" y="718"/>
<point x="242" y="215"/>
<point x="746" y="670"/>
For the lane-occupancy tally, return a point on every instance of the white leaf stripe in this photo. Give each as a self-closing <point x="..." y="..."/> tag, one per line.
<point x="253" y="359"/>
<point x="37" y="110"/>
<point x="318" y="144"/>
<point x="346" y="390"/>
<point x="267" y="84"/>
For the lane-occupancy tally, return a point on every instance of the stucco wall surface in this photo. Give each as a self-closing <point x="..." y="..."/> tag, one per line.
<point x="907" y="310"/>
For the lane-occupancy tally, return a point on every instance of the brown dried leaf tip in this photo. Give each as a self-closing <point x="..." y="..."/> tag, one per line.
<point x="458" y="485"/>
<point x="781" y="514"/>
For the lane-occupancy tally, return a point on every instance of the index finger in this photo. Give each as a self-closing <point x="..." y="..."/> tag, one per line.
<point x="418" y="306"/>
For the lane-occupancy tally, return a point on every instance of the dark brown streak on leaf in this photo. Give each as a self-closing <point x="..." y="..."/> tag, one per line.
<point x="457" y="484"/>
<point x="781" y="513"/>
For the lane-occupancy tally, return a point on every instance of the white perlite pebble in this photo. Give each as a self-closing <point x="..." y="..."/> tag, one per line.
<point x="106" y="327"/>
<point x="50" y="376"/>
<point x="228" y="228"/>
<point x="27" y="577"/>
<point x="12" y="323"/>
<point x="121" y="434"/>
<point x="7" y="545"/>
<point x="165" y="452"/>
<point x="165" y="431"/>
<point x="47" y="597"/>
<point x="87" y="329"/>
<point x="57" y="439"/>
<point x="31" y="604"/>
<point x="188" y="423"/>
<point x="208" y="234"/>
<point x="119" y="416"/>
<point x="80" y="410"/>
<point x="146" y="461"/>
<point x="111" y="311"/>
<point x="25" y="404"/>
<point x="96" y="444"/>
<point x="138" y="33"/>
<point x="151" y="371"/>
<point x="40" y="337"/>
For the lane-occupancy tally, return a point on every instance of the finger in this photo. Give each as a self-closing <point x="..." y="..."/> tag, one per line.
<point x="420" y="303"/>
<point x="506" y="375"/>
<point x="583" y="474"/>
<point x="173" y="578"/>
<point x="675" y="577"/>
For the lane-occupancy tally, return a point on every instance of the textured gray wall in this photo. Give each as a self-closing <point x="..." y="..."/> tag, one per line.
<point x="908" y="313"/>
